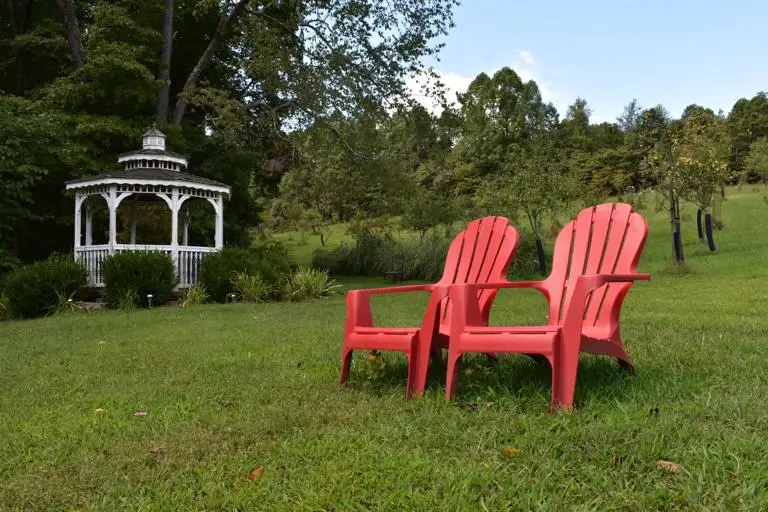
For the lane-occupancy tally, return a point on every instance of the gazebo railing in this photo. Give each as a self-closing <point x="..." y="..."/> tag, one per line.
<point x="187" y="260"/>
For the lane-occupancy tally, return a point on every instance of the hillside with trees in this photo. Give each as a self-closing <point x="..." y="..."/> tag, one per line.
<point x="303" y="108"/>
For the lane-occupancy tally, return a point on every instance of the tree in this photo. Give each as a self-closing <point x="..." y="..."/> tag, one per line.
<point x="757" y="160"/>
<point x="630" y="117"/>
<point x="747" y="122"/>
<point x="536" y="185"/>
<point x="702" y="152"/>
<point x="663" y="169"/>
<point x="229" y="76"/>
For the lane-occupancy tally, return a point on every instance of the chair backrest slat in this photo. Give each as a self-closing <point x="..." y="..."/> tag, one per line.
<point x="479" y="254"/>
<point x="605" y="239"/>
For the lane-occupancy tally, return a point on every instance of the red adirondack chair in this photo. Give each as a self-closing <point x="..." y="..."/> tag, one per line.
<point x="594" y="265"/>
<point x="479" y="254"/>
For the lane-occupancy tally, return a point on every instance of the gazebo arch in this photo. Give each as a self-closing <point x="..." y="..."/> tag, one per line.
<point x="151" y="172"/>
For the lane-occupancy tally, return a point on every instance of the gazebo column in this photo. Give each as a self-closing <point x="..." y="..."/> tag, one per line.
<point x="88" y="226"/>
<point x="186" y="226"/>
<point x="219" y="206"/>
<point x="79" y="199"/>
<point x="175" y="226"/>
<point x="113" y="202"/>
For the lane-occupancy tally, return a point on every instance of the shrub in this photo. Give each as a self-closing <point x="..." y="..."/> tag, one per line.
<point x="193" y="296"/>
<point x="310" y="284"/>
<point x="251" y="288"/>
<point x="270" y="261"/>
<point x="5" y="307"/>
<point x="423" y="259"/>
<point x="37" y="289"/>
<point x="372" y="255"/>
<point x="131" y="276"/>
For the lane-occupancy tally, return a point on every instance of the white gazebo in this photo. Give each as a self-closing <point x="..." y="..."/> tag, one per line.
<point x="149" y="175"/>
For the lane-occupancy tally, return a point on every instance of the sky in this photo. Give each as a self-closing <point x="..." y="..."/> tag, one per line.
<point x="673" y="52"/>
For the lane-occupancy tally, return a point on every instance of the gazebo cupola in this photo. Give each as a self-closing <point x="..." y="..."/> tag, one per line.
<point x="149" y="175"/>
<point x="154" y="139"/>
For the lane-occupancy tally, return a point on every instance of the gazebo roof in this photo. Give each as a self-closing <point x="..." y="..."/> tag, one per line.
<point x="143" y="176"/>
<point x="151" y="152"/>
<point x="153" y="132"/>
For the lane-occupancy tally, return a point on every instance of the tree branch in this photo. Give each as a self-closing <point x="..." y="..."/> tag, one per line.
<point x="222" y="34"/>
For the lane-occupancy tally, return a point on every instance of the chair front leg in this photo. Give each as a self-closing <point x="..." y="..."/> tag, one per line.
<point x="564" y="370"/>
<point x="452" y="375"/>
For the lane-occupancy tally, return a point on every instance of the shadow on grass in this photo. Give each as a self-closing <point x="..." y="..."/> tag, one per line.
<point x="518" y="378"/>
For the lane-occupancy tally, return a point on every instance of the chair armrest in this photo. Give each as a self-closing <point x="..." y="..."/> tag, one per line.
<point x="366" y="292"/>
<point x="359" y="306"/>
<point x="504" y="284"/>
<point x="590" y="283"/>
<point x="587" y="284"/>
<point x="466" y="311"/>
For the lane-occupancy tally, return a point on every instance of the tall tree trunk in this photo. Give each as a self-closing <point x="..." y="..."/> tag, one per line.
<point x="223" y="33"/>
<point x="73" y="32"/>
<point x="164" y="72"/>
<point x="674" y="218"/>
<point x="12" y="18"/>
<point x="19" y="69"/>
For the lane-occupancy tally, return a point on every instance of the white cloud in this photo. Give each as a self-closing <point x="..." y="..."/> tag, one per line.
<point x="523" y="63"/>
<point x="526" y="57"/>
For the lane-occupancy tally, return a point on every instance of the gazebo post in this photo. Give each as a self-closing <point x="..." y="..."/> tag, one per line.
<point x="186" y="226"/>
<point x="175" y="205"/>
<point x="79" y="199"/>
<point x="219" y="240"/>
<point x="88" y="226"/>
<point x="112" y="203"/>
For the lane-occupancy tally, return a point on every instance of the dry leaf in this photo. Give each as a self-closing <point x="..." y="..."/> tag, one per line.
<point x="669" y="466"/>
<point x="510" y="452"/>
<point x="157" y="450"/>
<point x="140" y="414"/>
<point x="98" y="411"/>
<point x="255" y="474"/>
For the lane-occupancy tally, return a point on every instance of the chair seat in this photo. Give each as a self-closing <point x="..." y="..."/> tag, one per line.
<point x="532" y="339"/>
<point x="383" y="338"/>
<point x="395" y="331"/>
<point x="518" y="329"/>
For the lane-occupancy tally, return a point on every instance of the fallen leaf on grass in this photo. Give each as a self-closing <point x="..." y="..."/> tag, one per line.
<point x="674" y="467"/>
<point x="98" y="411"/>
<point x="158" y="450"/>
<point x="510" y="452"/>
<point x="140" y="414"/>
<point x="255" y="474"/>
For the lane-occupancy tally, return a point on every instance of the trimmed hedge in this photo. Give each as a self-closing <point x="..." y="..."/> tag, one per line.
<point x="270" y="261"/>
<point x="40" y="288"/>
<point x="137" y="274"/>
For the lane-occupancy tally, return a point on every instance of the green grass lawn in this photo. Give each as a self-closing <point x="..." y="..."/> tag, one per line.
<point x="229" y="388"/>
